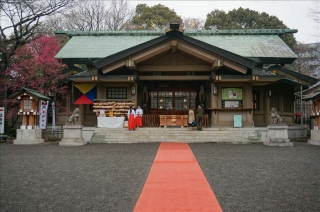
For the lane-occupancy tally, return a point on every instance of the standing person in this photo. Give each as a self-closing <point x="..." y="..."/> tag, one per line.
<point x="139" y="113"/>
<point x="131" y="119"/>
<point x="191" y="118"/>
<point x="199" y="116"/>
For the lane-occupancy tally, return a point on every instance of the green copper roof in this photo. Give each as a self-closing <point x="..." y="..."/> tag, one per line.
<point x="250" y="45"/>
<point x="99" y="46"/>
<point x="31" y="93"/>
<point x="247" y="43"/>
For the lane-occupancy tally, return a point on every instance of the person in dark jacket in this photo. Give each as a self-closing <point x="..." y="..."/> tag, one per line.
<point x="199" y="116"/>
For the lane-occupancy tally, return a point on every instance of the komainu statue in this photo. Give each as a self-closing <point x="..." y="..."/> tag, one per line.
<point x="275" y="118"/>
<point x="75" y="117"/>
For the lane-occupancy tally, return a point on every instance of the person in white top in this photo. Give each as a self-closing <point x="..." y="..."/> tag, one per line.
<point x="131" y="119"/>
<point x="139" y="113"/>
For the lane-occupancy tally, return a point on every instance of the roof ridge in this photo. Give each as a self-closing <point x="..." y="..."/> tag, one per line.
<point x="186" y="32"/>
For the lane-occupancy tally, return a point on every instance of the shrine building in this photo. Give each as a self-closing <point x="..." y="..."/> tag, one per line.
<point x="229" y="72"/>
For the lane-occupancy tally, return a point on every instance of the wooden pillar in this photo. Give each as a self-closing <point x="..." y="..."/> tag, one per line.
<point x="82" y="113"/>
<point x="267" y="107"/>
<point x="318" y="117"/>
<point x="24" y="120"/>
<point x="247" y="103"/>
<point x="214" y="103"/>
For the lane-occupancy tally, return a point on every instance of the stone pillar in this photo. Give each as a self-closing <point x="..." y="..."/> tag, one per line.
<point x="72" y="135"/>
<point x="278" y="136"/>
<point x="28" y="136"/>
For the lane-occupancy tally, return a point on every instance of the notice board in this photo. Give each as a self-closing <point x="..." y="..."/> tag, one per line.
<point x="237" y="121"/>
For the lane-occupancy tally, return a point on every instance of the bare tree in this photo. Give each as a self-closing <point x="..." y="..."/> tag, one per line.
<point x="193" y="23"/>
<point x="314" y="12"/>
<point x="93" y="15"/>
<point x="86" y="15"/>
<point x="20" y="20"/>
<point x="314" y="48"/>
<point x="119" y="15"/>
<point x="308" y="61"/>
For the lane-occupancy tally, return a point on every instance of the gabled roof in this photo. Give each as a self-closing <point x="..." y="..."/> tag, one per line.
<point x="98" y="47"/>
<point x="311" y="80"/>
<point x="312" y="96"/>
<point x="175" y="34"/>
<point x="31" y="92"/>
<point x="263" y="46"/>
<point x="260" y="48"/>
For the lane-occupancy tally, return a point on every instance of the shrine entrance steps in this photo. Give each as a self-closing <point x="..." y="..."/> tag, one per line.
<point x="175" y="134"/>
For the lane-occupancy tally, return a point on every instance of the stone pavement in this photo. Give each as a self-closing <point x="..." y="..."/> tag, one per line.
<point x="110" y="177"/>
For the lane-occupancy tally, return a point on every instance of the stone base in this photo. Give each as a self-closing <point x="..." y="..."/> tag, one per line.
<point x="29" y="136"/>
<point x="72" y="136"/>
<point x="36" y="141"/>
<point x="314" y="142"/>
<point x="315" y="137"/>
<point x="278" y="136"/>
<point x="73" y="142"/>
<point x="278" y="143"/>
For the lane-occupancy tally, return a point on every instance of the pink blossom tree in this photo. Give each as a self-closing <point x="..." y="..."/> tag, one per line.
<point x="34" y="66"/>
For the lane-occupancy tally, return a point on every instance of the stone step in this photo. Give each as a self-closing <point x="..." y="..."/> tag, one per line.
<point x="144" y="135"/>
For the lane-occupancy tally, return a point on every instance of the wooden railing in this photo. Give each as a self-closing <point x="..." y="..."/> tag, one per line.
<point x="153" y="120"/>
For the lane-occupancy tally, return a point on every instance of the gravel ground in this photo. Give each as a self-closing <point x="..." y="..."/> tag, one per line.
<point x="95" y="177"/>
<point x="110" y="177"/>
<point x="262" y="178"/>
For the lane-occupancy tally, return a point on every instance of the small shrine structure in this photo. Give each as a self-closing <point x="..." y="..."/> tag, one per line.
<point x="29" y="132"/>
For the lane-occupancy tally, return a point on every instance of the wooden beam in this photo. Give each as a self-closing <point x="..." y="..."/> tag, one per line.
<point x="209" y="57"/>
<point x="130" y="64"/>
<point x="236" y="67"/>
<point x="113" y="67"/>
<point x="151" y="52"/>
<point x="174" y="45"/>
<point x="165" y="68"/>
<point x="174" y="59"/>
<point x="197" y="53"/>
<point x="139" y="57"/>
<point x="217" y="64"/>
<point x="176" y="78"/>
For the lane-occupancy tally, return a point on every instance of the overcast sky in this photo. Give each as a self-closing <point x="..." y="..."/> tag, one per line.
<point x="294" y="14"/>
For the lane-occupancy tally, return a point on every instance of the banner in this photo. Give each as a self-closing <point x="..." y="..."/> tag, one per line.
<point x="1" y="120"/>
<point x="84" y="93"/>
<point x="53" y="116"/>
<point x="43" y="114"/>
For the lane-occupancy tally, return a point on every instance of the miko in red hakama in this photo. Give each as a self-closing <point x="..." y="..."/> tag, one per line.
<point x="131" y="122"/>
<point x="139" y="121"/>
<point x="139" y="113"/>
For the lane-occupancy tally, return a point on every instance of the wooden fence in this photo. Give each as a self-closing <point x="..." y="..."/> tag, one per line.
<point x="50" y="134"/>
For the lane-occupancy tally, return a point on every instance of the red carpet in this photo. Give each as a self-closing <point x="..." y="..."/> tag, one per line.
<point x="176" y="183"/>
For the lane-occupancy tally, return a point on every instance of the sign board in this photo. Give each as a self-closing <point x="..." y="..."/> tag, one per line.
<point x="232" y="94"/>
<point x="1" y="120"/>
<point x="43" y="114"/>
<point x="53" y="116"/>
<point x="237" y="121"/>
<point x="232" y="104"/>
